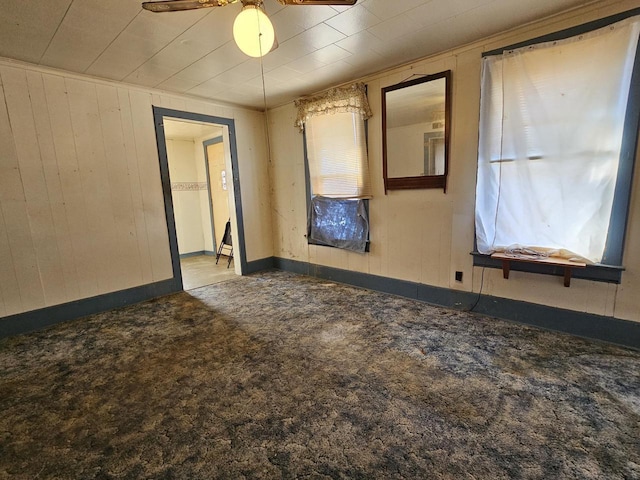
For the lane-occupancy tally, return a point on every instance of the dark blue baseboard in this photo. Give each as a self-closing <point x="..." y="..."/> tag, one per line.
<point x="595" y="327"/>
<point x="45" y="317"/>
<point x="48" y="316"/>
<point x="259" y="265"/>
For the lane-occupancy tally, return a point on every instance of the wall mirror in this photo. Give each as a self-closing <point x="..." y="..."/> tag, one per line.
<point x="415" y="132"/>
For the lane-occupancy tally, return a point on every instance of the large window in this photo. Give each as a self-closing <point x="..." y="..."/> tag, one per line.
<point x="338" y="171"/>
<point x="557" y="141"/>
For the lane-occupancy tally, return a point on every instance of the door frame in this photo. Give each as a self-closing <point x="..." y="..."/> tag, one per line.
<point x="205" y="144"/>
<point x="239" y="246"/>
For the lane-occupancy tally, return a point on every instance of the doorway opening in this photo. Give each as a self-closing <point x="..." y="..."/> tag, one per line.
<point x="202" y="195"/>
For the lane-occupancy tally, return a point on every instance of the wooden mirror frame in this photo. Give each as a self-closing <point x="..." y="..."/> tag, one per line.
<point x="420" y="181"/>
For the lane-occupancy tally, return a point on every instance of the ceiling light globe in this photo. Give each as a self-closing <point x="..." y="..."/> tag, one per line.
<point x="253" y="31"/>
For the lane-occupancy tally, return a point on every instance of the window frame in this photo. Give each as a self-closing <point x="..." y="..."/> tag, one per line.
<point x="611" y="268"/>
<point x="309" y="193"/>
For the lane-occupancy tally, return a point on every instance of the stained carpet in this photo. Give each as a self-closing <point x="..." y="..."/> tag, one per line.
<point x="282" y="376"/>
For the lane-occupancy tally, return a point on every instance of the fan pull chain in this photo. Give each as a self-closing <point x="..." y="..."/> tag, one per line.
<point x="264" y="100"/>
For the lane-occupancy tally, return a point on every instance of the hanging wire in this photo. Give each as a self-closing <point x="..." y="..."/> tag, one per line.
<point x="475" y="304"/>
<point x="495" y="218"/>
<point x="264" y="96"/>
<point x="413" y="75"/>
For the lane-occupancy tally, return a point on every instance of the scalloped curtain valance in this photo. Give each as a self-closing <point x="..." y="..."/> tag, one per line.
<point x="352" y="98"/>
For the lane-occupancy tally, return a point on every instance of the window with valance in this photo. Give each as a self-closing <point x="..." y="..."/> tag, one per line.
<point x="336" y="153"/>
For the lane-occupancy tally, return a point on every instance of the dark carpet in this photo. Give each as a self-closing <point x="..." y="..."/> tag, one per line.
<point x="284" y="376"/>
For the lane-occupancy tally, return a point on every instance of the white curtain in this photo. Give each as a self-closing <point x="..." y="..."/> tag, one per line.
<point x="551" y="125"/>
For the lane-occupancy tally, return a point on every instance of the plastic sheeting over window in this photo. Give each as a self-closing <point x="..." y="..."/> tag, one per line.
<point x="551" y="125"/>
<point x="334" y="127"/>
<point x="339" y="223"/>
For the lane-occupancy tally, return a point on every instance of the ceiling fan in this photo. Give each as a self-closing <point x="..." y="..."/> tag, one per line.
<point x="177" y="5"/>
<point x="252" y="29"/>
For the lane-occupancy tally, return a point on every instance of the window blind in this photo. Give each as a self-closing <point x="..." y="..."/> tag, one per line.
<point x="337" y="154"/>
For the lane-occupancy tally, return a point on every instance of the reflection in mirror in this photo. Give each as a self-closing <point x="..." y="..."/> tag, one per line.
<point x="415" y="132"/>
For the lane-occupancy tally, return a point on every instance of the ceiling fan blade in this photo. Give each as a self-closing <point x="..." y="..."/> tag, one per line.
<point x="178" y="5"/>
<point x="317" y="2"/>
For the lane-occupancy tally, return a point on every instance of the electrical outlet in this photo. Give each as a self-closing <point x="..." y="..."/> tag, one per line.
<point x="458" y="276"/>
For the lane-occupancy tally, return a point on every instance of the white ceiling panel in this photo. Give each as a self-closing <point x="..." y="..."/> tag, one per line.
<point x="281" y="74"/>
<point x="219" y="61"/>
<point x="191" y="131"/>
<point x="178" y="84"/>
<point x="240" y="73"/>
<point x="303" y="18"/>
<point x="212" y="88"/>
<point x="367" y="62"/>
<point x="211" y="31"/>
<point x="286" y="24"/>
<point x="437" y="12"/>
<point x="67" y="39"/>
<point x="277" y="58"/>
<point x="26" y="28"/>
<point x="330" y="54"/>
<point x="88" y="28"/>
<point x="400" y="25"/>
<point x="145" y="36"/>
<point x="386" y="10"/>
<point x="150" y="74"/>
<point x="293" y="48"/>
<point x="163" y="26"/>
<point x="118" y="61"/>
<point x="354" y="20"/>
<point x="272" y="7"/>
<point x="179" y="54"/>
<point x="193" y="52"/>
<point x="306" y="64"/>
<point x="320" y="36"/>
<point x="319" y="77"/>
<point x="362" y="42"/>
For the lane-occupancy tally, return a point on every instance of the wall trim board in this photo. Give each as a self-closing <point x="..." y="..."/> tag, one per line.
<point x="46" y="317"/>
<point x="594" y="327"/>
<point x="12" y="62"/>
<point x="205" y="144"/>
<point x="260" y="265"/>
<point x="294" y="266"/>
<point x="49" y="316"/>
<point x="207" y="253"/>
<point x="613" y="330"/>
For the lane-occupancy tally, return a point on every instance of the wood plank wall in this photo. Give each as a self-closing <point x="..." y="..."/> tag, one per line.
<point x="426" y="235"/>
<point x="81" y="204"/>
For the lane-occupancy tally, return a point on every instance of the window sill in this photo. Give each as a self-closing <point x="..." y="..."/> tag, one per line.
<point x="597" y="273"/>
<point x="320" y="244"/>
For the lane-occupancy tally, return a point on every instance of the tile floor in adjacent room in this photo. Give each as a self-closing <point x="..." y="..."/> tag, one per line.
<point x="202" y="270"/>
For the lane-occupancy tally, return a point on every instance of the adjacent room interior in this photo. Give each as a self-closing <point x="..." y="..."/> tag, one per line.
<point x="369" y="239"/>
<point x="200" y="195"/>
